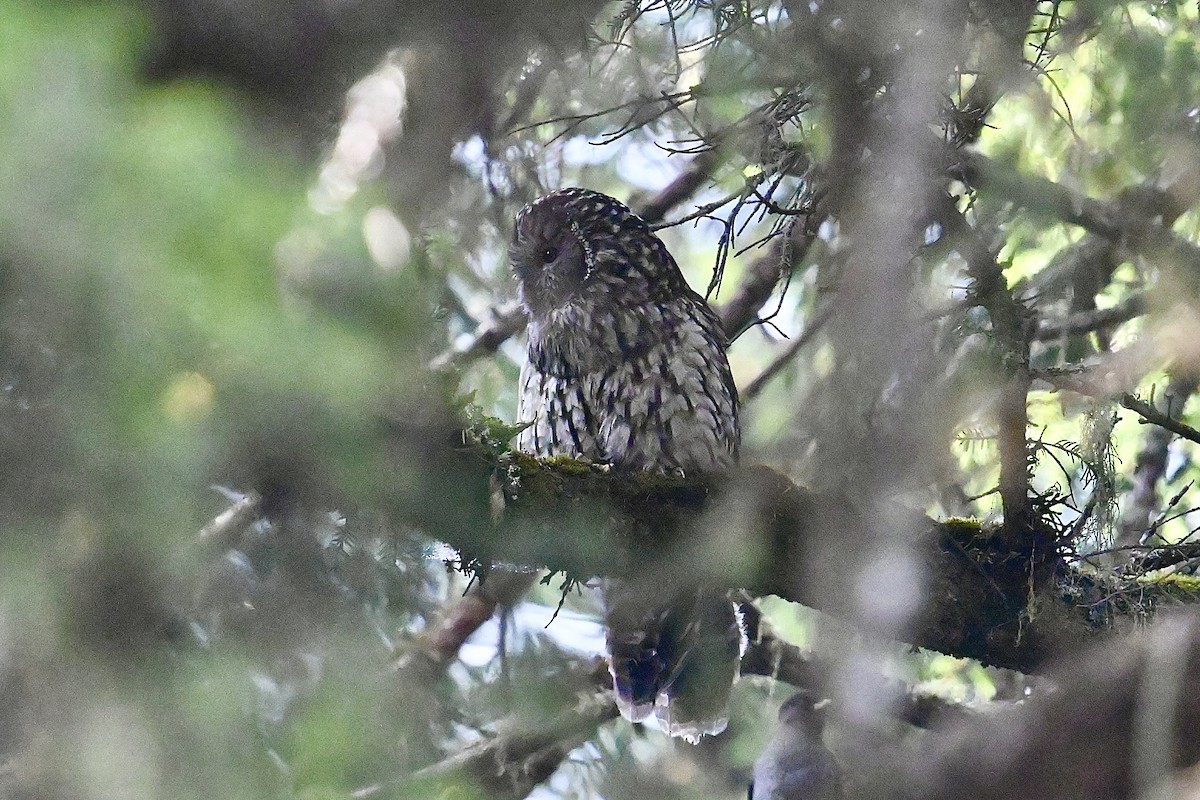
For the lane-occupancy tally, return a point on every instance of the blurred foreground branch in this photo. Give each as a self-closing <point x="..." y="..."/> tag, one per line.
<point x="1143" y="694"/>
<point x="525" y="750"/>
<point x="520" y="756"/>
<point x="1140" y="220"/>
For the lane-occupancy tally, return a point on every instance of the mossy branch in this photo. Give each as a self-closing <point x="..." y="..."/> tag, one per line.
<point x="755" y="529"/>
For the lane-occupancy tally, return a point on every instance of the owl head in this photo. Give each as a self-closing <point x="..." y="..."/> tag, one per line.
<point x="575" y="245"/>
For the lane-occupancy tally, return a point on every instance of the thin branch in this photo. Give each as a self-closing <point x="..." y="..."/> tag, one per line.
<point x="1152" y="415"/>
<point x="1086" y="322"/>
<point x="511" y="763"/>
<point x="223" y="531"/>
<point x="1029" y="747"/>
<point x="505" y="323"/>
<point x="780" y="361"/>
<point x="703" y="211"/>
<point x="1142" y="511"/>
<point x="636" y="106"/>
<point x="654" y="209"/>
<point x="437" y="648"/>
<point x="766" y="272"/>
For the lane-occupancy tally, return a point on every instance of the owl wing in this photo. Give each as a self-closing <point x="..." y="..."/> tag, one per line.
<point x="671" y="404"/>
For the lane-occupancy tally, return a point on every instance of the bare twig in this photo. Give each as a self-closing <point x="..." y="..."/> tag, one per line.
<point x="1150" y="414"/>
<point x="703" y="211"/>
<point x="439" y="646"/>
<point x="1150" y="467"/>
<point x="510" y="764"/>
<point x="780" y="361"/>
<point x="766" y="272"/>
<point x="505" y="323"/>
<point x="642" y="110"/>
<point x="1131" y="307"/>
<point x="654" y="209"/>
<point x="222" y="532"/>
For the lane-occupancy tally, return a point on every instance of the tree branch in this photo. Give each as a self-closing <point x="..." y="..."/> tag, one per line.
<point x="1130" y="690"/>
<point x="1143" y="500"/>
<point x="752" y="389"/>
<point x="437" y="648"/>
<point x="1146" y="230"/>
<point x="767" y="271"/>
<point x="511" y="763"/>
<point x="1088" y="321"/>
<point x="1010" y="325"/>
<point x="662" y="529"/>
<point x="654" y="209"/>
<point x="505" y="322"/>
<point x="1152" y="415"/>
<point x="1040" y="195"/>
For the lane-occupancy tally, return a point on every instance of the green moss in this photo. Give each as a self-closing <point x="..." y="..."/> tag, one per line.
<point x="1190" y="583"/>
<point x="569" y="466"/>
<point x="962" y="526"/>
<point x="657" y="481"/>
<point x="964" y="531"/>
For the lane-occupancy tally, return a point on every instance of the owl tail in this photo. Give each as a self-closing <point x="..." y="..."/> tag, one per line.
<point x="677" y="658"/>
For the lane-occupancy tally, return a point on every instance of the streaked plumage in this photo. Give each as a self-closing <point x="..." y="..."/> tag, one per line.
<point x="626" y="366"/>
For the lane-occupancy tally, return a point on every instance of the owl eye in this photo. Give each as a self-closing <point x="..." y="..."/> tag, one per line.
<point x="548" y="254"/>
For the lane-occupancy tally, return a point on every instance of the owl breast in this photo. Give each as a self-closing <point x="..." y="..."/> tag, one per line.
<point x="653" y="394"/>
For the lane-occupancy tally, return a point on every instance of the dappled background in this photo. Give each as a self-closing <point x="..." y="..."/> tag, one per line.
<point x="259" y="345"/>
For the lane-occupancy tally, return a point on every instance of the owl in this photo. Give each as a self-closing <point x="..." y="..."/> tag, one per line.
<point x="626" y="367"/>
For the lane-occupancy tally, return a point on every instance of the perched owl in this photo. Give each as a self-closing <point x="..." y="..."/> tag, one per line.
<point x="626" y="366"/>
<point x="796" y="765"/>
